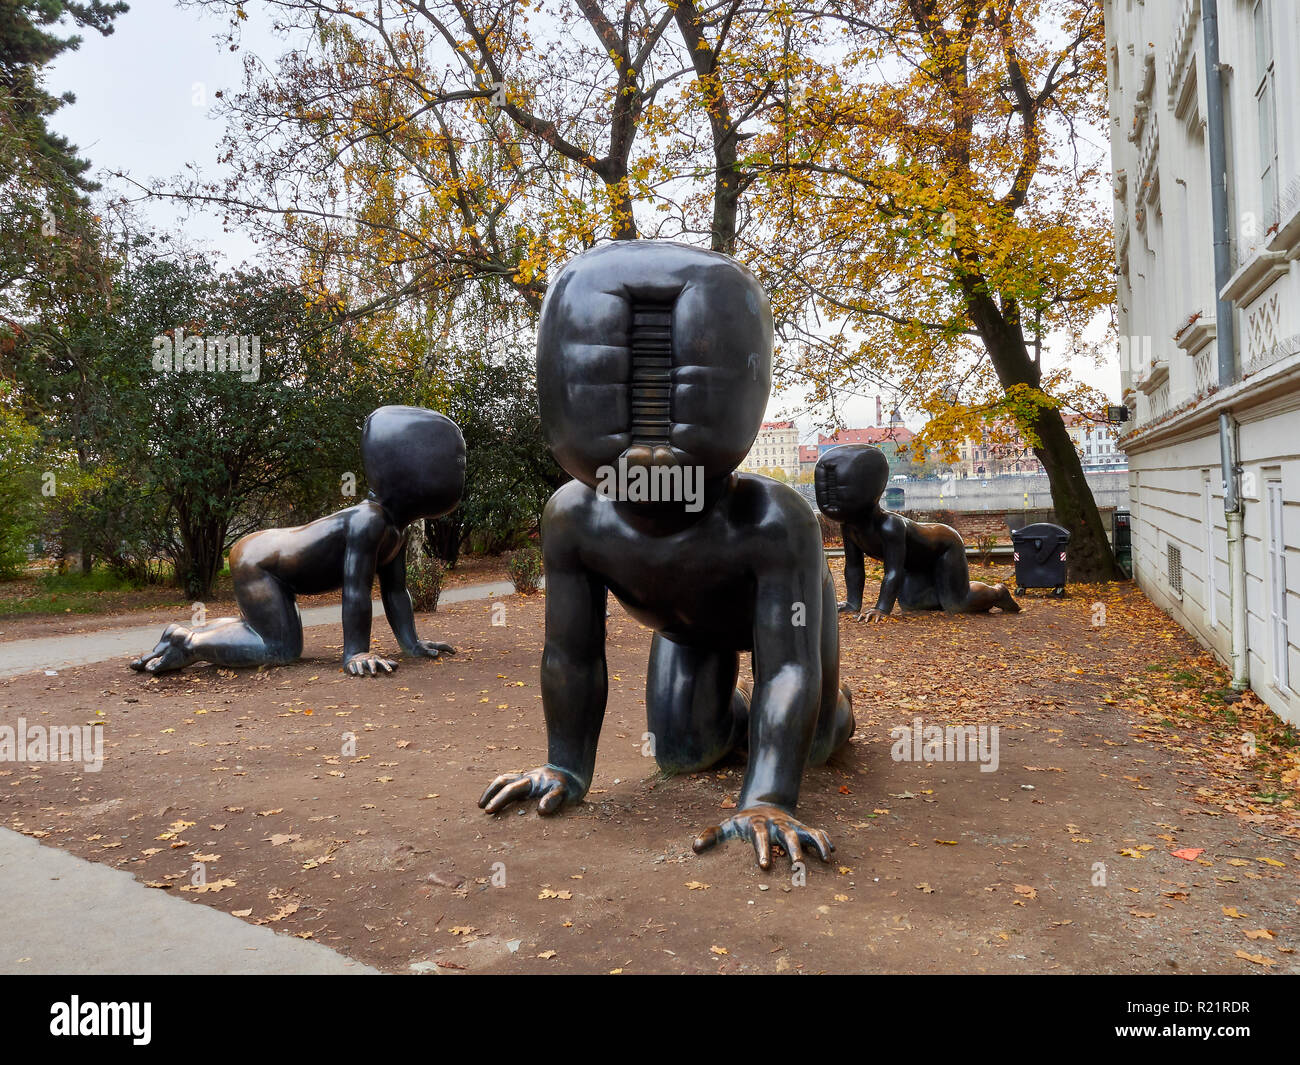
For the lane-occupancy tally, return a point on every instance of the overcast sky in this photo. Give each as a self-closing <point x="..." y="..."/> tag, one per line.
<point x="144" y="98"/>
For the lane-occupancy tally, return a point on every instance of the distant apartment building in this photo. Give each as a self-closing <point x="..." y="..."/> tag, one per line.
<point x="996" y="453"/>
<point x="1210" y="352"/>
<point x="889" y="438"/>
<point x="1097" y="443"/>
<point x="775" y="448"/>
<point x="808" y="455"/>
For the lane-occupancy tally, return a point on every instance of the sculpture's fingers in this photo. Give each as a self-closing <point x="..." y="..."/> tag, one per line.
<point x="496" y="785"/>
<point x="821" y="841"/>
<point x="762" y="845"/>
<point x="445" y="648"/>
<point x="513" y="792"/>
<point x="790" y="840"/>
<point x="707" y="839"/>
<point x="388" y="664"/>
<point x="552" y="800"/>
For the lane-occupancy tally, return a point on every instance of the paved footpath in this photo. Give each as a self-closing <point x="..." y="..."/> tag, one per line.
<point x="60" y="652"/>
<point x="63" y="914"/>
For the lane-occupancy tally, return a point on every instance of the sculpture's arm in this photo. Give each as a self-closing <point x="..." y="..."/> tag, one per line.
<point x="787" y="689"/>
<point x="855" y="575"/>
<point x="782" y="720"/>
<point x="574" y="680"/>
<point x="894" y="539"/>
<point x="358" y="579"/>
<point x="399" y="611"/>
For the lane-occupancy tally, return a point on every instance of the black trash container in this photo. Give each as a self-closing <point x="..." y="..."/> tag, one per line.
<point x="1040" y="552"/>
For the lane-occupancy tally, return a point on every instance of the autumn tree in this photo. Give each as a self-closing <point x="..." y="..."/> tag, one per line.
<point x="910" y="178"/>
<point x="938" y="197"/>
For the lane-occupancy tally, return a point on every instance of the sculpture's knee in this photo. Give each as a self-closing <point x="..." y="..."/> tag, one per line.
<point x="692" y="750"/>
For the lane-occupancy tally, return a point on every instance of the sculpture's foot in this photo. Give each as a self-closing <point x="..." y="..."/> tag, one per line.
<point x="172" y="652"/>
<point x="1005" y="602"/>
<point x="847" y="694"/>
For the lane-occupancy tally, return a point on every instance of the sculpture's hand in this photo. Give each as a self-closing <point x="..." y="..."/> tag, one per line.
<point x="429" y="649"/>
<point x="763" y="826"/>
<point x="550" y="786"/>
<point x="367" y="662"/>
<point x="873" y="615"/>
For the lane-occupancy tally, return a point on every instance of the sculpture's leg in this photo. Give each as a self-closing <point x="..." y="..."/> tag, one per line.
<point x="835" y="723"/>
<point x="986" y="596"/>
<point x="694" y="711"/>
<point x="959" y="594"/>
<point x="920" y="591"/>
<point x="270" y="632"/>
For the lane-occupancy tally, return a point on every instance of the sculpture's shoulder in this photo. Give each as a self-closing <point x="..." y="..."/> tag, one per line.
<point x="892" y="524"/>
<point x="777" y="509"/>
<point x="365" y="522"/>
<point x="569" y="511"/>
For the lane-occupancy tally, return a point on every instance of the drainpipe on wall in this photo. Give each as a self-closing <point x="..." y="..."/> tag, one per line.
<point x="1226" y="343"/>
<point x="1236" y="552"/>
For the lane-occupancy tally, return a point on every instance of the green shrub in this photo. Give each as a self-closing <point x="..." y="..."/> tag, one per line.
<point x="524" y="568"/>
<point x="424" y="575"/>
<point x="20" y="485"/>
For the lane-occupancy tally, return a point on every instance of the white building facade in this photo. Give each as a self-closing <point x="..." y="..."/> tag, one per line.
<point x="775" y="448"/>
<point x="1239" y="594"/>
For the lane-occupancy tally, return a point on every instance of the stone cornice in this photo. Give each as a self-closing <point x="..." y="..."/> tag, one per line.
<point x="1277" y="386"/>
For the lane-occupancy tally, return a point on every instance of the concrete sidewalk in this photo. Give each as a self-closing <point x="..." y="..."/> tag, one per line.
<point x="61" y="652"/>
<point x="64" y="915"/>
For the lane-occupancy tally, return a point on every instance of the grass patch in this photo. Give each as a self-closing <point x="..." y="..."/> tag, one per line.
<point x="68" y="593"/>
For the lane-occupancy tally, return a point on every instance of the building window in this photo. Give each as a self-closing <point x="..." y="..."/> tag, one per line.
<point x="1266" y="108"/>
<point x="1277" y="582"/>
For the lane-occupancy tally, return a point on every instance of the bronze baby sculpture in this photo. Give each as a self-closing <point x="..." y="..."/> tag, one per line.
<point x="415" y="465"/>
<point x="925" y="562"/>
<point x="653" y="372"/>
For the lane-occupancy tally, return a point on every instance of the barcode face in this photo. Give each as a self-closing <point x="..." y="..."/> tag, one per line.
<point x="652" y="371"/>
<point x="832" y="487"/>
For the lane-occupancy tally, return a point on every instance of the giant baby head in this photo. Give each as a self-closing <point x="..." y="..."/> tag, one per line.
<point x="414" y="461"/>
<point x="849" y="481"/>
<point x="654" y="353"/>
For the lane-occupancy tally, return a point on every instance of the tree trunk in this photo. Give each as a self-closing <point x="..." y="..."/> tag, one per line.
<point x="197" y="568"/>
<point x="1091" y="558"/>
<point x="443" y="535"/>
<point x="726" y="174"/>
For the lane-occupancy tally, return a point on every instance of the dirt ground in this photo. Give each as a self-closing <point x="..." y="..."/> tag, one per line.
<point x="162" y="604"/>
<point x="1116" y="751"/>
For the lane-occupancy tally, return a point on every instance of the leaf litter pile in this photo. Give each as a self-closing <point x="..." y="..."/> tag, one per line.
<point x="1140" y="817"/>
